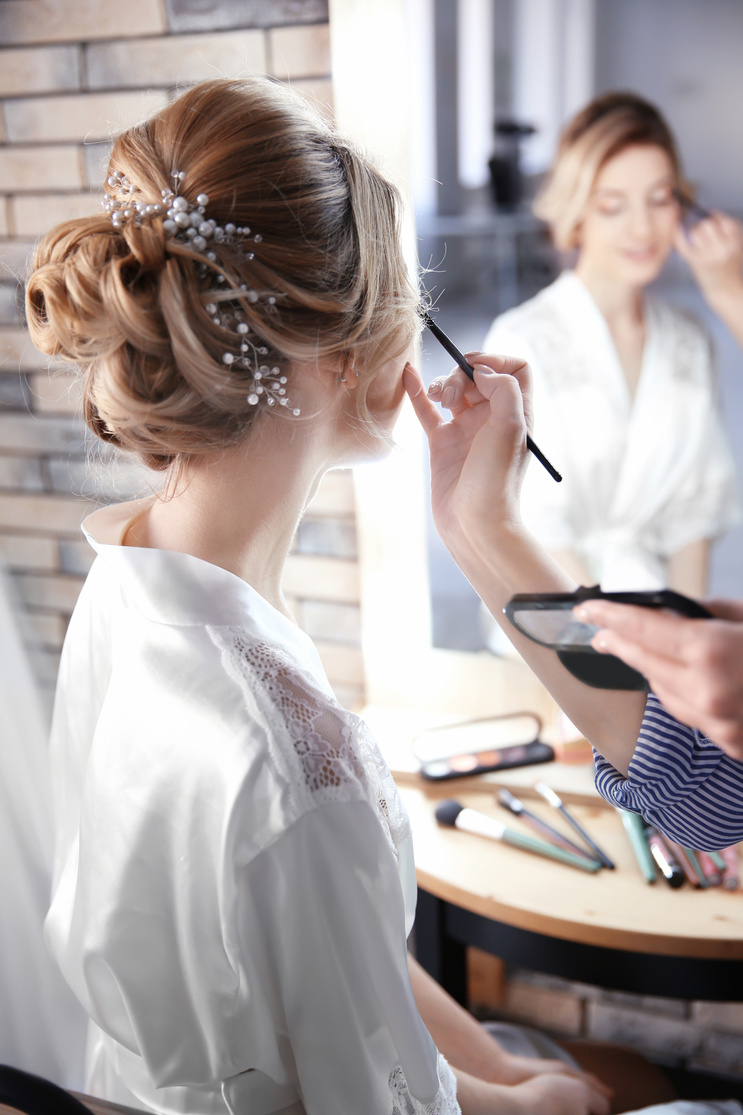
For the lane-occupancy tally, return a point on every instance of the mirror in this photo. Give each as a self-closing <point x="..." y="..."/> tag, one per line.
<point x="499" y="78"/>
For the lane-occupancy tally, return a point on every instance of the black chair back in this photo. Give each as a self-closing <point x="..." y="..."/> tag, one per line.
<point x="36" y="1096"/>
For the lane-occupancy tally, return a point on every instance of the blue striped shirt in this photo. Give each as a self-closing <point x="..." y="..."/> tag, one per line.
<point x="679" y="781"/>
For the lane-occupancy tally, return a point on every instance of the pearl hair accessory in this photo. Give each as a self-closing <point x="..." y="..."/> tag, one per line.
<point x="187" y="224"/>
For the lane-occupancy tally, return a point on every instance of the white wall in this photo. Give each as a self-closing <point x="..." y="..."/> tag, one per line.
<point x="687" y="57"/>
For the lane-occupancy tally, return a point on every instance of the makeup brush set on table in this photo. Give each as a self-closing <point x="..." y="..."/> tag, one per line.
<point x="491" y="761"/>
<point x="657" y="856"/>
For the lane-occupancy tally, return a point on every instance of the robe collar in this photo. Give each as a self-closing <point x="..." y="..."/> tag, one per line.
<point x="179" y="589"/>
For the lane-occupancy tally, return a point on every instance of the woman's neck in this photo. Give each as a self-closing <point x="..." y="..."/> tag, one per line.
<point x="618" y="302"/>
<point x="622" y="308"/>
<point x="240" y="509"/>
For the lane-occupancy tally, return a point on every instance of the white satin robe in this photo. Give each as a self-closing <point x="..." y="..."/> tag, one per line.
<point x="234" y="879"/>
<point x="643" y="477"/>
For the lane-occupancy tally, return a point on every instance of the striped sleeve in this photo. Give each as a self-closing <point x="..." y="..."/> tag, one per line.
<point x="679" y="781"/>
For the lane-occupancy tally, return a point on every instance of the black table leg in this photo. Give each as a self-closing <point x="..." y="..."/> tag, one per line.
<point x="442" y="956"/>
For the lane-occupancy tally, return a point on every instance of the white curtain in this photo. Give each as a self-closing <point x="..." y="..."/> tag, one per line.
<point x="42" y="1026"/>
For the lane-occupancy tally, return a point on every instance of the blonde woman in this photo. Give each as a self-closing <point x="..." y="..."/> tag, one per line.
<point x="624" y="391"/>
<point x="234" y="878"/>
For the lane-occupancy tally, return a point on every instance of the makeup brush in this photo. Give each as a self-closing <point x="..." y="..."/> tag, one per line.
<point x="455" y="815"/>
<point x="469" y="371"/>
<point x="556" y="802"/>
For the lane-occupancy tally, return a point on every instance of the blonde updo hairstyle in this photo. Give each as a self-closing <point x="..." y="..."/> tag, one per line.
<point x="608" y="125"/>
<point x="128" y="306"/>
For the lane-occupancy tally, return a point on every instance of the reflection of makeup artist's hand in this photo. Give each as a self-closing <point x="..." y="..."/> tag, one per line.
<point x="714" y="251"/>
<point x="695" y="666"/>
<point x="479" y="457"/>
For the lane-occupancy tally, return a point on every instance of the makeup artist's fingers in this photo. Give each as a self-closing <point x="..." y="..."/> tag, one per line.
<point x="726" y="609"/>
<point x="427" y="413"/>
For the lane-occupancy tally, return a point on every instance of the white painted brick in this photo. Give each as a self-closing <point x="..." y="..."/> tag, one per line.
<point x="76" y="557"/>
<point x="335" y="495"/>
<point x="45" y="69"/>
<point x="720" y="1053"/>
<point x="335" y="622"/>
<point x="42" y="590"/>
<point x="57" y="393"/>
<point x="719" y="1016"/>
<point x="45" y="665"/>
<point x="15" y="393"/>
<point x="14" y="258"/>
<point x="46" y="629"/>
<point x="78" y="117"/>
<point x="333" y="537"/>
<point x="22" y="551"/>
<point x="25" y="434"/>
<point x="21" y="472"/>
<point x="349" y="696"/>
<point x="95" y="164"/>
<point x="322" y="578"/>
<point x="319" y="92"/>
<point x="545" y="1007"/>
<point x="30" y="169"/>
<point x="298" y="52"/>
<point x="205" y="15"/>
<point x="651" y="1033"/>
<point x="10" y="313"/>
<point x="649" y="1004"/>
<point x="175" y="59"/>
<point x="27" y="21"/>
<point x="103" y="478"/>
<point x="343" y="664"/>
<point x="47" y="515"/>
<point x="37" y="214"/>
<point x="17" y="352"/>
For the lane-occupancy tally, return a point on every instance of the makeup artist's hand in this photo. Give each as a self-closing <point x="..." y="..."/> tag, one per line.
<point x="695" y="666"/>
<point x="714" y="251"/>
<point x="479" y="457"/>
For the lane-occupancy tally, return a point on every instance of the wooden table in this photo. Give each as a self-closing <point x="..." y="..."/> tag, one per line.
<point x="611" y="929"/>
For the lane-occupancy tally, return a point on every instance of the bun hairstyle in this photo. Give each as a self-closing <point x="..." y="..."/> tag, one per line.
<point x="604" y="128"/>
<point x="128" y="306"/>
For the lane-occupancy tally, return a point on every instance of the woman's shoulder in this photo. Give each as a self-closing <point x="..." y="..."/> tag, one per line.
<point x="318" y="752"/>
<point x="684" y="342"/>
<point x="537" y="321"/>
<point x="678" y="321"/>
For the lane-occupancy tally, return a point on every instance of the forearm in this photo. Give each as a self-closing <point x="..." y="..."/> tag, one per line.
<point x="512" y="561"/>
<point x="727" y="303"/>
<point x="460" y="1037"/>
<point x="573" y="566"/>
<point x="688" y="569"/>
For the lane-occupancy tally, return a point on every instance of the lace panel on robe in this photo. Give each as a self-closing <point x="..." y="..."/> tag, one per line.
<point x="445" y="1102"/>
<point x="323" y="752"/>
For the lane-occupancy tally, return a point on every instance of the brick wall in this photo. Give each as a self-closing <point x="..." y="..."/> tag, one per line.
<point x="72" y="74"/>
<point x="697" y="1036"/>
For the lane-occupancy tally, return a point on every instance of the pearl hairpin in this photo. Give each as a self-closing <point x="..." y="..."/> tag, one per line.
<point x="189" y="225"/>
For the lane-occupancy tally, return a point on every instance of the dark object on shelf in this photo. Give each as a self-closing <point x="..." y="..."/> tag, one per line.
<point x="505" y="166"/>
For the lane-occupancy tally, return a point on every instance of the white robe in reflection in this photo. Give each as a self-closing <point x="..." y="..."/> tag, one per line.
<point x="642" y="478"/>
<point x="234" y="880"/>
<point x="42" y="1028"/>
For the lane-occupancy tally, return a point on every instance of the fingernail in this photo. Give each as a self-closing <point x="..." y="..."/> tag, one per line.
<point x="448" y="397"/>
<point x="435" y="387"/>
